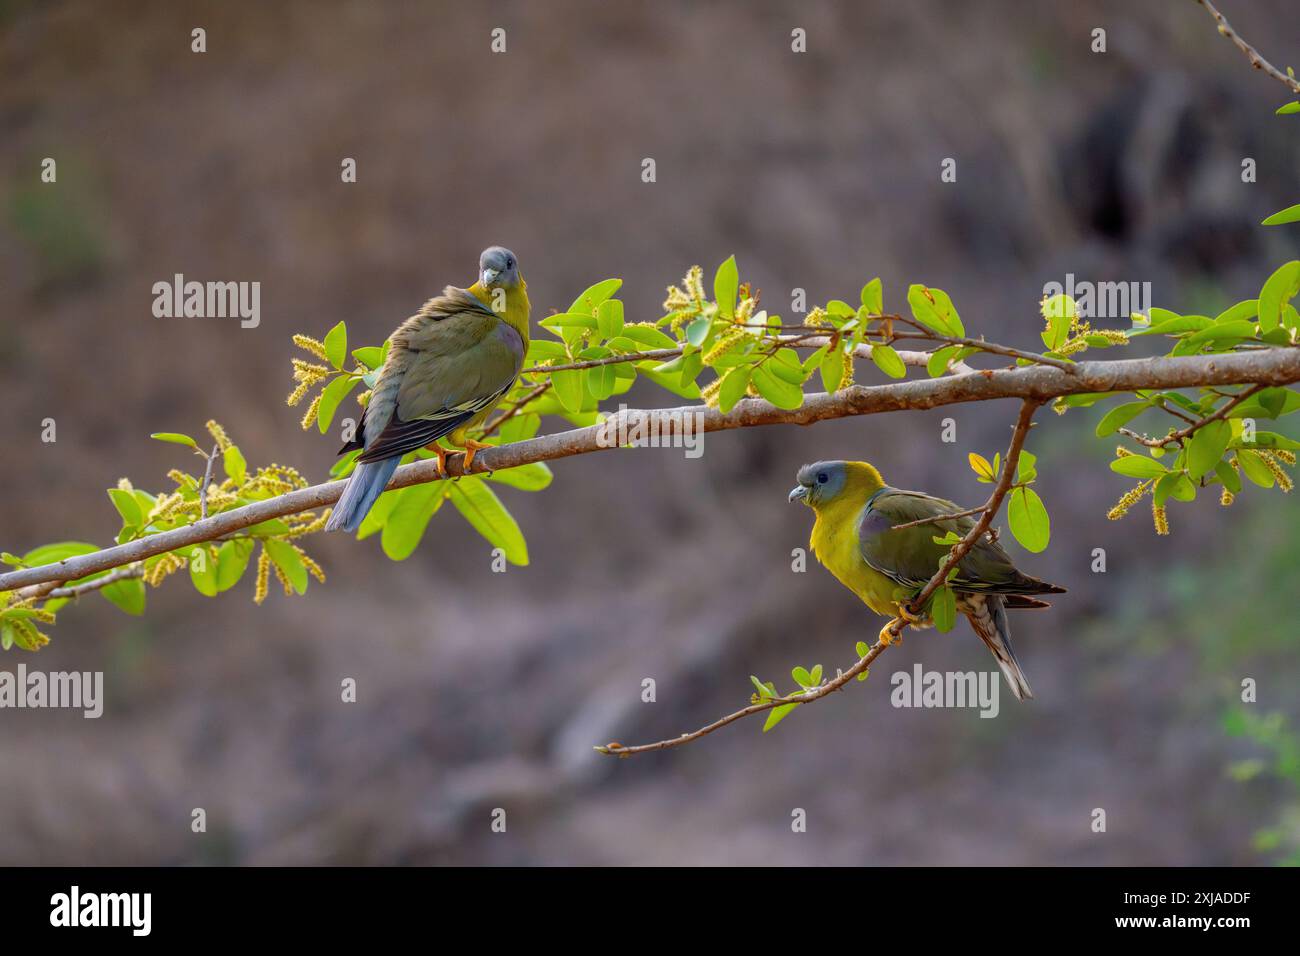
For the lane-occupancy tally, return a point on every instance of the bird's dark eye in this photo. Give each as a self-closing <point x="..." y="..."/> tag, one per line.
<point x="821" y="478"/>
<point x="510" y="263"/>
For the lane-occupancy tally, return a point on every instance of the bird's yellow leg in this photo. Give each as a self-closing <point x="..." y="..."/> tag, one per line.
<point x="472" y="448"/>
<point x="442" y="454"/>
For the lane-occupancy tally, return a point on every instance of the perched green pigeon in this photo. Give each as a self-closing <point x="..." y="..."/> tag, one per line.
<point x="854" y="538"/>
<point x="448" y="366"/>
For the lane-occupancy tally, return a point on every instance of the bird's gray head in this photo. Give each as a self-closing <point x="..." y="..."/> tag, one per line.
<point x="498" y="267"/>
<point x="819" y="482"/>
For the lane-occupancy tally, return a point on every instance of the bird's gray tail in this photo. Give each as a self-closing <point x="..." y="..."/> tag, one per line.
<point x="367" y="483"/>
<point x="988" y="616"/>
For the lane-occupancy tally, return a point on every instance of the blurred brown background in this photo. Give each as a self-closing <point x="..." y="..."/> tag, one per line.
<point x="481" y="690"/>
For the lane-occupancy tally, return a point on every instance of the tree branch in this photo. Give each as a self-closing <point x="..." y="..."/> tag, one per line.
<point x="1274" y="366"/>
<point x="1256" y="60"/>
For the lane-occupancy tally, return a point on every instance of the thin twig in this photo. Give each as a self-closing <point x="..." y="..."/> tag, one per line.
<point x="1178" y="437"/>
<point x="1256" y="60"/>
<point x="207" y="480"/>
<point x="519" y="407"/>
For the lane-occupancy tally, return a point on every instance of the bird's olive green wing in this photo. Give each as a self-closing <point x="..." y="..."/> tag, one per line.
<point x="910" y="556"/>
<point x="453" y="366"/>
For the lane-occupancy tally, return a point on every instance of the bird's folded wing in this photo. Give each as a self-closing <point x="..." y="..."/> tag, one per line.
<point x="451" y="369"/>
<point x="911" y="556"/>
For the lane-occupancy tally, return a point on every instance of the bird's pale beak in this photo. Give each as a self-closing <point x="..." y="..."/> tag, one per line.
<point x="798" y="493"/>
<point x="489" y="276"/>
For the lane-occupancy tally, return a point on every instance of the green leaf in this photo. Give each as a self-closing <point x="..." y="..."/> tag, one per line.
<point x="888" y="361"/>
<point x="601" y="381"/>
<point x="651" y="338"/>
<point x="763" y="689"/>
<point x="873" y="297"/>
<point x="1279" y="289"/>
<point x="776" y="715"/>
<point x="938" y="363"/>
<point x="726" y="282"/>
<point x="1028" y="519"/>
<point x="409" y="516"/>
<point x="609" y="318"/>
<point x="569" y="320"/>
<point x="53" y="553"/>
<point x="785" y="364"/>
<point x="802" y="677"/>
<point x="943" y="608"/>
<point x="569" y="387"/>
<point x="1026" y="468"/>
<point x="176" y="438"/>
<point x="334" y="393"/>
<point x="203" y="570"/>
<point x="698" y="331"/>
<point x="233" y="461"/>
<point x="1137" y="466"/>
<point x="832" y="369"/>
<point x="127" y="506"/>
<point x="1060" y="311"/>
<point x="1253" y="467"/>
<point x="586" y="303"/>
<point x="1228" y="475"/>
<point x="980" y="465"/>
<point x="1177" y="325"/>
<point x="933" y="309"/>
<point x="1206" y="447"/>
<point x="734" y="385"/>
<point x="1288" y="108"/>
<point x="1289" y="214"/>
<point x="370" y="356"/>
<point x="127" y="594"/>
<point x="336" y="345"/>
<point x="489" y="517"/>
<point x="289" y="561"/>
<point x="777" y="390"/>
<point x="1119" y="416"/>
<point x="232" y="561"/>
<point x="531" y="477"/>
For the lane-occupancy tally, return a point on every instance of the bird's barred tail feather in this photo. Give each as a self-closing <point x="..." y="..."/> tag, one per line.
<point x="988" y="616"/>
<point x="364" y="487"/>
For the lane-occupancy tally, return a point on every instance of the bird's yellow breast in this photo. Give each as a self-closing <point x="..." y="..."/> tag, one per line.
<point x="517" y="306"/>
<point x="835" y="543"/>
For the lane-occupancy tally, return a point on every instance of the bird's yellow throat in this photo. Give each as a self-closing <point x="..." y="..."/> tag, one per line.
<point x="517" y="305"/>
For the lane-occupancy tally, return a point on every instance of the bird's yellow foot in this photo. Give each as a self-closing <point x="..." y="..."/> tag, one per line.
<point x="442" y="454"/>
<point x="908" y="616"/>
<point x="472" y="448"/>
<point x="887" y="635"/>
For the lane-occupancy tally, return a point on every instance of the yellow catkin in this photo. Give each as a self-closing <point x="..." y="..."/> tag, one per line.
<point x="283" y="579"/>
<point x="309" y="344"/>
<point x="364" y="398"/>
<point x="1131" y="497"/>
<point x="310" y="527"/>
<point x="1226" y="497"/>
<point x="1122" y="452"/>
<point x="710" y="393"/>
<point x="752" y="391"/>
<point x="724" y="344"/>
<point x="693" y="283"/>
<point x="297" y="394"/>
<point x="309" y="416"/>
<point x="744" y="310"/>
<point x="218" y="435"/>
<point x="167" y="564"/>
<point x="310" y="564"/>
<point x="677" y="300"/>
<point x="816" y="319"/>
<point x="1159" y="517"/>
<point x="124" y="484"/>
<point x="263" y="569"/>
<point x="846" y="364"/>
<point x="1279" y="473"/>
<point x="1285" y="455"/>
